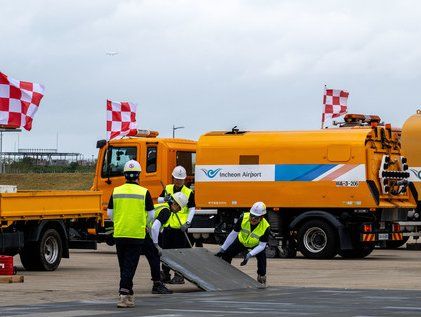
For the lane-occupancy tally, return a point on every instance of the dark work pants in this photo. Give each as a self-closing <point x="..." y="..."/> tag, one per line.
<point x="173" y="239"/>
<point x="237" y="247"/>
<point x="152" y="255"/>
<point x="128" y="253"/>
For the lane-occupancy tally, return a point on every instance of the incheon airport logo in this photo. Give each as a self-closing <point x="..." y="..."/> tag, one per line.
<point x="211" y="173"/>
<point x="416" y="173"/>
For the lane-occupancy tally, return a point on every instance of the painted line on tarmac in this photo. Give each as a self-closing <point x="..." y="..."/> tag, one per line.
<point x="402" y="308"/>
<point x="387" y="297"/>
<point x="209" y="311"/>
<point x="278" y="312"/>
<point x="338" y="291"/>
<point x="248" y="302"/>
<point x="165" y="315"/>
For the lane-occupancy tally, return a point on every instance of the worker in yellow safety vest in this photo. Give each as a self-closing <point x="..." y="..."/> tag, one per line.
<point x="251" y="233"/>
<point x="163" y="213"/>
<point x="129" y="208"/>
<point x="174" y="233"/>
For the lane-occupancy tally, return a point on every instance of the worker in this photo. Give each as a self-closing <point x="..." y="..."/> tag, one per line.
<point x="174" y="235"/>
<point x="130" y="207"/>
<point x="163" y="212"/>
<point x="251" y="234"/>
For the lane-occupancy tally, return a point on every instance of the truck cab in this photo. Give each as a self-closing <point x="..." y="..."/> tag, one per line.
<point x="157" y="157"/>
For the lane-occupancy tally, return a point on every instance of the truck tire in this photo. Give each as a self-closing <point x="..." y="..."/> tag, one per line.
<point x="271" y="252"/>
<point x="45" y="254"/>
<point x="396" y="244"/>
<point x="360" y="251"/>
<point x="288" y="250"/>
<point x="317" y="239"/>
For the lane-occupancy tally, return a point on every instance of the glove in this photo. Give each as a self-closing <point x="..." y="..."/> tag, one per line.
<point x="185" y="226"/>
<point x="246" y="259"/>
<point x="158" y="248"/>
<point x="167" y="197"/>
<point x="220" y="253"/>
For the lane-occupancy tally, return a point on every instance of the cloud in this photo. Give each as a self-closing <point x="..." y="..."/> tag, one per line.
<point x="208" y="64"/>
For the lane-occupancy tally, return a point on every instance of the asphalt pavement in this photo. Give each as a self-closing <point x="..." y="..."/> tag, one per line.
<point x="273" y="301"/>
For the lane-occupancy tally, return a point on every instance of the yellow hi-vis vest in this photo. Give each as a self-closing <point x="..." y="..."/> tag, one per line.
<point x="130" y="215"/>
<point x="183" y="213"/>
<point x="248" y="238"/>
<point x="158" y="208"/>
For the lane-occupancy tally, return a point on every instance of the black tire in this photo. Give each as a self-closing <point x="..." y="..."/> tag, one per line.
<point x="317" y="239"/>
<point x="272" y="252"/>
<point x="359" y="252"/>
<point x="45" y="254"/>
<point x="288" y="250"/>
<point x="396" y="244"/>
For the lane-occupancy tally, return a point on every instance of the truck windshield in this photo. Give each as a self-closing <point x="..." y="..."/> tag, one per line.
<point x="118" y="157"/>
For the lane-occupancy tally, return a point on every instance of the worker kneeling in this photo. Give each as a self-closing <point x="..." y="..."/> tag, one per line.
<point x="250" y="232"/>
<point x="163" y="215"/>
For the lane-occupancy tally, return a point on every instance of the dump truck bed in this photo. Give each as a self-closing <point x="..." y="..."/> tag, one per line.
<point x="63" y="204"/>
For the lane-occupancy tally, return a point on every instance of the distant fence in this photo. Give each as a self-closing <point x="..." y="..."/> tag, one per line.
<point x="10" y="169"/>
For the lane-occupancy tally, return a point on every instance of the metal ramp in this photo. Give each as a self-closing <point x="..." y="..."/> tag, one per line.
<point x="207" y="271"/>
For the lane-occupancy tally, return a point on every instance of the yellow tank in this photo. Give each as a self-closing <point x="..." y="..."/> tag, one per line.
<point x="332" y="168"/>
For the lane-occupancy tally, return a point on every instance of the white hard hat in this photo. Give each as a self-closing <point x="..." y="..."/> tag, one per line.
<point x="132" y="166"/>
<point x="179" y="172"/>
<point x="258" y="209"/>
<point x="181" y="199"/>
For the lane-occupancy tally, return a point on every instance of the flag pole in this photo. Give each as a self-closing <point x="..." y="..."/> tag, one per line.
<point x="323" y="109"/>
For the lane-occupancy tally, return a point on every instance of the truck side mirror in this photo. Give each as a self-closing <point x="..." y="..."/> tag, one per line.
<point x="100" y="144"/>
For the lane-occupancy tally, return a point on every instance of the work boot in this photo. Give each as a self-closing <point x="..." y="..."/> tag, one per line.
<point x="160" y="288"/>
<point x="125" y="301"/>
<point x="261" y="279"/>
<point x="177" y="279"/>
<point x="165" y="277"/>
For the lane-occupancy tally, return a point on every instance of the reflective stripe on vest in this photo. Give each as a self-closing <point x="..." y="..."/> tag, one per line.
<point x="183" y="213"/>
<point x="249" y="238"/>
<point x="129" y="211"/>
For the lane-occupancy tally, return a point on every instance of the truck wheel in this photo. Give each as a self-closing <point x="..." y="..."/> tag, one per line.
<point x="272" y="252"/>
<point x="288" y="250"/>
<point x="317" y="240"/>
<point x="396" y="244"/>
<point x="44" y="255"/>
<point x="360" y="251"/>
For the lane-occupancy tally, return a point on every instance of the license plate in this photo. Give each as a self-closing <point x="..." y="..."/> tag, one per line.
<point x="383" y="236"/>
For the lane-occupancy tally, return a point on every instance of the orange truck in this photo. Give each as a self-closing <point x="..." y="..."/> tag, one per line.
<point x="410" y="137"/>
<point x="328" y="192"/>
<point x="42" y="226"/>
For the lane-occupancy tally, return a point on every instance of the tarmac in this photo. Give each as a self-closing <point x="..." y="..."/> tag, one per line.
<point x="273" y="301"/>
<point x="387" y="283"/>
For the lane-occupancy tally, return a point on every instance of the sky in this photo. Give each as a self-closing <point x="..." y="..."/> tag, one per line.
<point x="207" y="64"/>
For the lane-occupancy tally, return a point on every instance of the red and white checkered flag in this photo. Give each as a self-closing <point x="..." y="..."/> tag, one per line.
<point x="19" y="101"/>
<point x="335" y="104"/>
<point x="121" y="119"/>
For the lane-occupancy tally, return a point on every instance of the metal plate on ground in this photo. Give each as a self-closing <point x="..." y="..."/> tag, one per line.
<point x="207" y="271"/>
